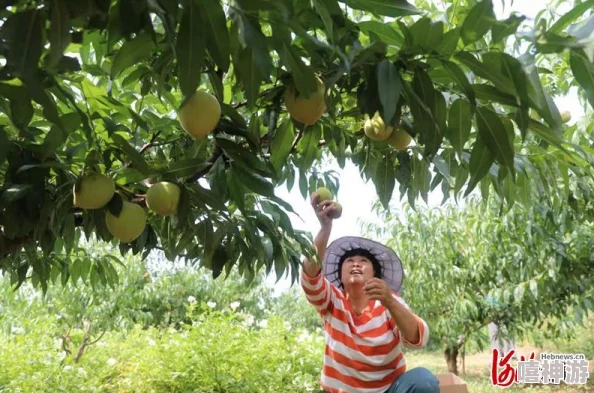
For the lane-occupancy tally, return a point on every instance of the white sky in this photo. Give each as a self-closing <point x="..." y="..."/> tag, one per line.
<point x="357" y="197"/>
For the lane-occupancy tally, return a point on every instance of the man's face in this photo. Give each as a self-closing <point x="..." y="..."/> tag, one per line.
<point x="356" y="270"/>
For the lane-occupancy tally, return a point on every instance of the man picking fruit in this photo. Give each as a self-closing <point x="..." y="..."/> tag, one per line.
<point x="365" y="319"/>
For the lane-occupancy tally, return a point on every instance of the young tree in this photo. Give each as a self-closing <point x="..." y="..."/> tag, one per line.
<point x="533" y="263"/>
<point x="168" y="124"/>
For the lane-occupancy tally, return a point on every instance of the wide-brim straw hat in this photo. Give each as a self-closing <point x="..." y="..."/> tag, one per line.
<point x="392" y="271"/>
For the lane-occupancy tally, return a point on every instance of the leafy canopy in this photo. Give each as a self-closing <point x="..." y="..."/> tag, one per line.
<point x="95" y="86"/>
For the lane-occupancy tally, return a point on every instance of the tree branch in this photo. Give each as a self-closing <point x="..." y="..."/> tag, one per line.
<point x="296" y="141"/>
<point x="239" y="105"/>
<point x="151" y="143"/>
<point x="98" y="338"/>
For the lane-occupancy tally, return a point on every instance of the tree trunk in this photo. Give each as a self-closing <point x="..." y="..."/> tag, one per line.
<point x="451" y="356"/>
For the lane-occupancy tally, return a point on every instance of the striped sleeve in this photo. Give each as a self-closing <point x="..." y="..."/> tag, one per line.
<point x="318" y="292"/>
<point x="422" y="326"/>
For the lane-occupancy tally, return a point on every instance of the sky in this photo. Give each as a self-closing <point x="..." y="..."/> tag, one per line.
<point x="357" y="197"/>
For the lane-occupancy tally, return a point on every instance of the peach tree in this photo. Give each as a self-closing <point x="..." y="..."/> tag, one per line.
<point x="217" y="103"/>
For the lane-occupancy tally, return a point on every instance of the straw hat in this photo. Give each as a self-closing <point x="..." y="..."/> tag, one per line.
<point x="391" y="265"/>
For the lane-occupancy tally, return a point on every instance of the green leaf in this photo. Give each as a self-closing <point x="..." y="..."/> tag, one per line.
<point x="23" y="32"/>
<point x="492" y="94"/>
<point x="544" y="103"/>
<point x="567" y="18"/>
<point x="481" y="159"/>
<point x="254" y="133"/>
<point x="324" y="13"/>
<point x="59" y="33"/>
<point x="216" y="32"/>
<point x="137" y="159"/>
<point x="460" y="78"/>
<point x="389" y="87"/>
<point x="385" y="32"/>
<point x="545" y="133"/>
<point x="251" y="180"/>
<point x="131" y="53"/>
<point x="485" y="71"/>
<point x="250" y="35"/>
<point x="243" y="155"/>
<point x="478" y="22"/>
<point x="495" y="136"/>
<point x="21" y="110"/>
<point x="236" y="190"/>
<point x="385" y="180"/>
<point x="308" y="146"/>
<point x="235" y="116"/>
<point x="427" y="34"/>
<point x="441" y="111"/>
<point x="303" y="76"/>
<point x="459" y="123"/>
<point x="583" y="70"/>
<point x="421" y="177"/>
<point x="250" y="75"/>
<point x="505" y="28"/>
<point x="392" y="8"/>
<point x="449" y="43"/>
<point x="190" y="48"/>
<point x="56" y="137"/>
<point x="4" y="145"/>
<point x="513" y="70"/>
<point x="208" y="197"/>
<point x="422" y="102"/>
<point x="205" y="233"/>
<point x="522" y="118"/>
<point x="281" y="144"/>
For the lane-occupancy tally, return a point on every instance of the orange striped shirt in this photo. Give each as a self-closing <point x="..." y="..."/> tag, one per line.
<point x="363" y="352"/>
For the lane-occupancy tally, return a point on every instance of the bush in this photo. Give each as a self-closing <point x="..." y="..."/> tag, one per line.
<point x="219" y="351"/>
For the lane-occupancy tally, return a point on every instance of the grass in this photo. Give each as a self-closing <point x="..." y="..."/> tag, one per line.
<point x="478" y="373"/>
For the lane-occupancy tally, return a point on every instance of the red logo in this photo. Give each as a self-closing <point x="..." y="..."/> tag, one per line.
<point x="508" y="375"/>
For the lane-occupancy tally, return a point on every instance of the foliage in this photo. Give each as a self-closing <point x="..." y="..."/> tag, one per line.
<point x="216" y="352"/>
<point x="294" y="308"/>
<point x="145" y="295"/>
<point x="533" y="263"/>
<point x="95" y="86"/>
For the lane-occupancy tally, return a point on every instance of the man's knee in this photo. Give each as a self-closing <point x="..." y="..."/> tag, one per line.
<point x="418" y="380"/>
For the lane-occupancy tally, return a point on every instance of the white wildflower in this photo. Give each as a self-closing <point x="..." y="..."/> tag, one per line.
<point x="249" y="321"/>
<point x="151" y="342"/>
<point x="17" y="330"/>
<point x="111" y="361"/>
<point x="263" y="323"/>
<point x="81" y="371"/>
<point x="304" y="336"/>
<point x="234" y="305"/>
<point x="211" y="304"/>
<point x="68" y="368"/>
<point x="191" y="299"/>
